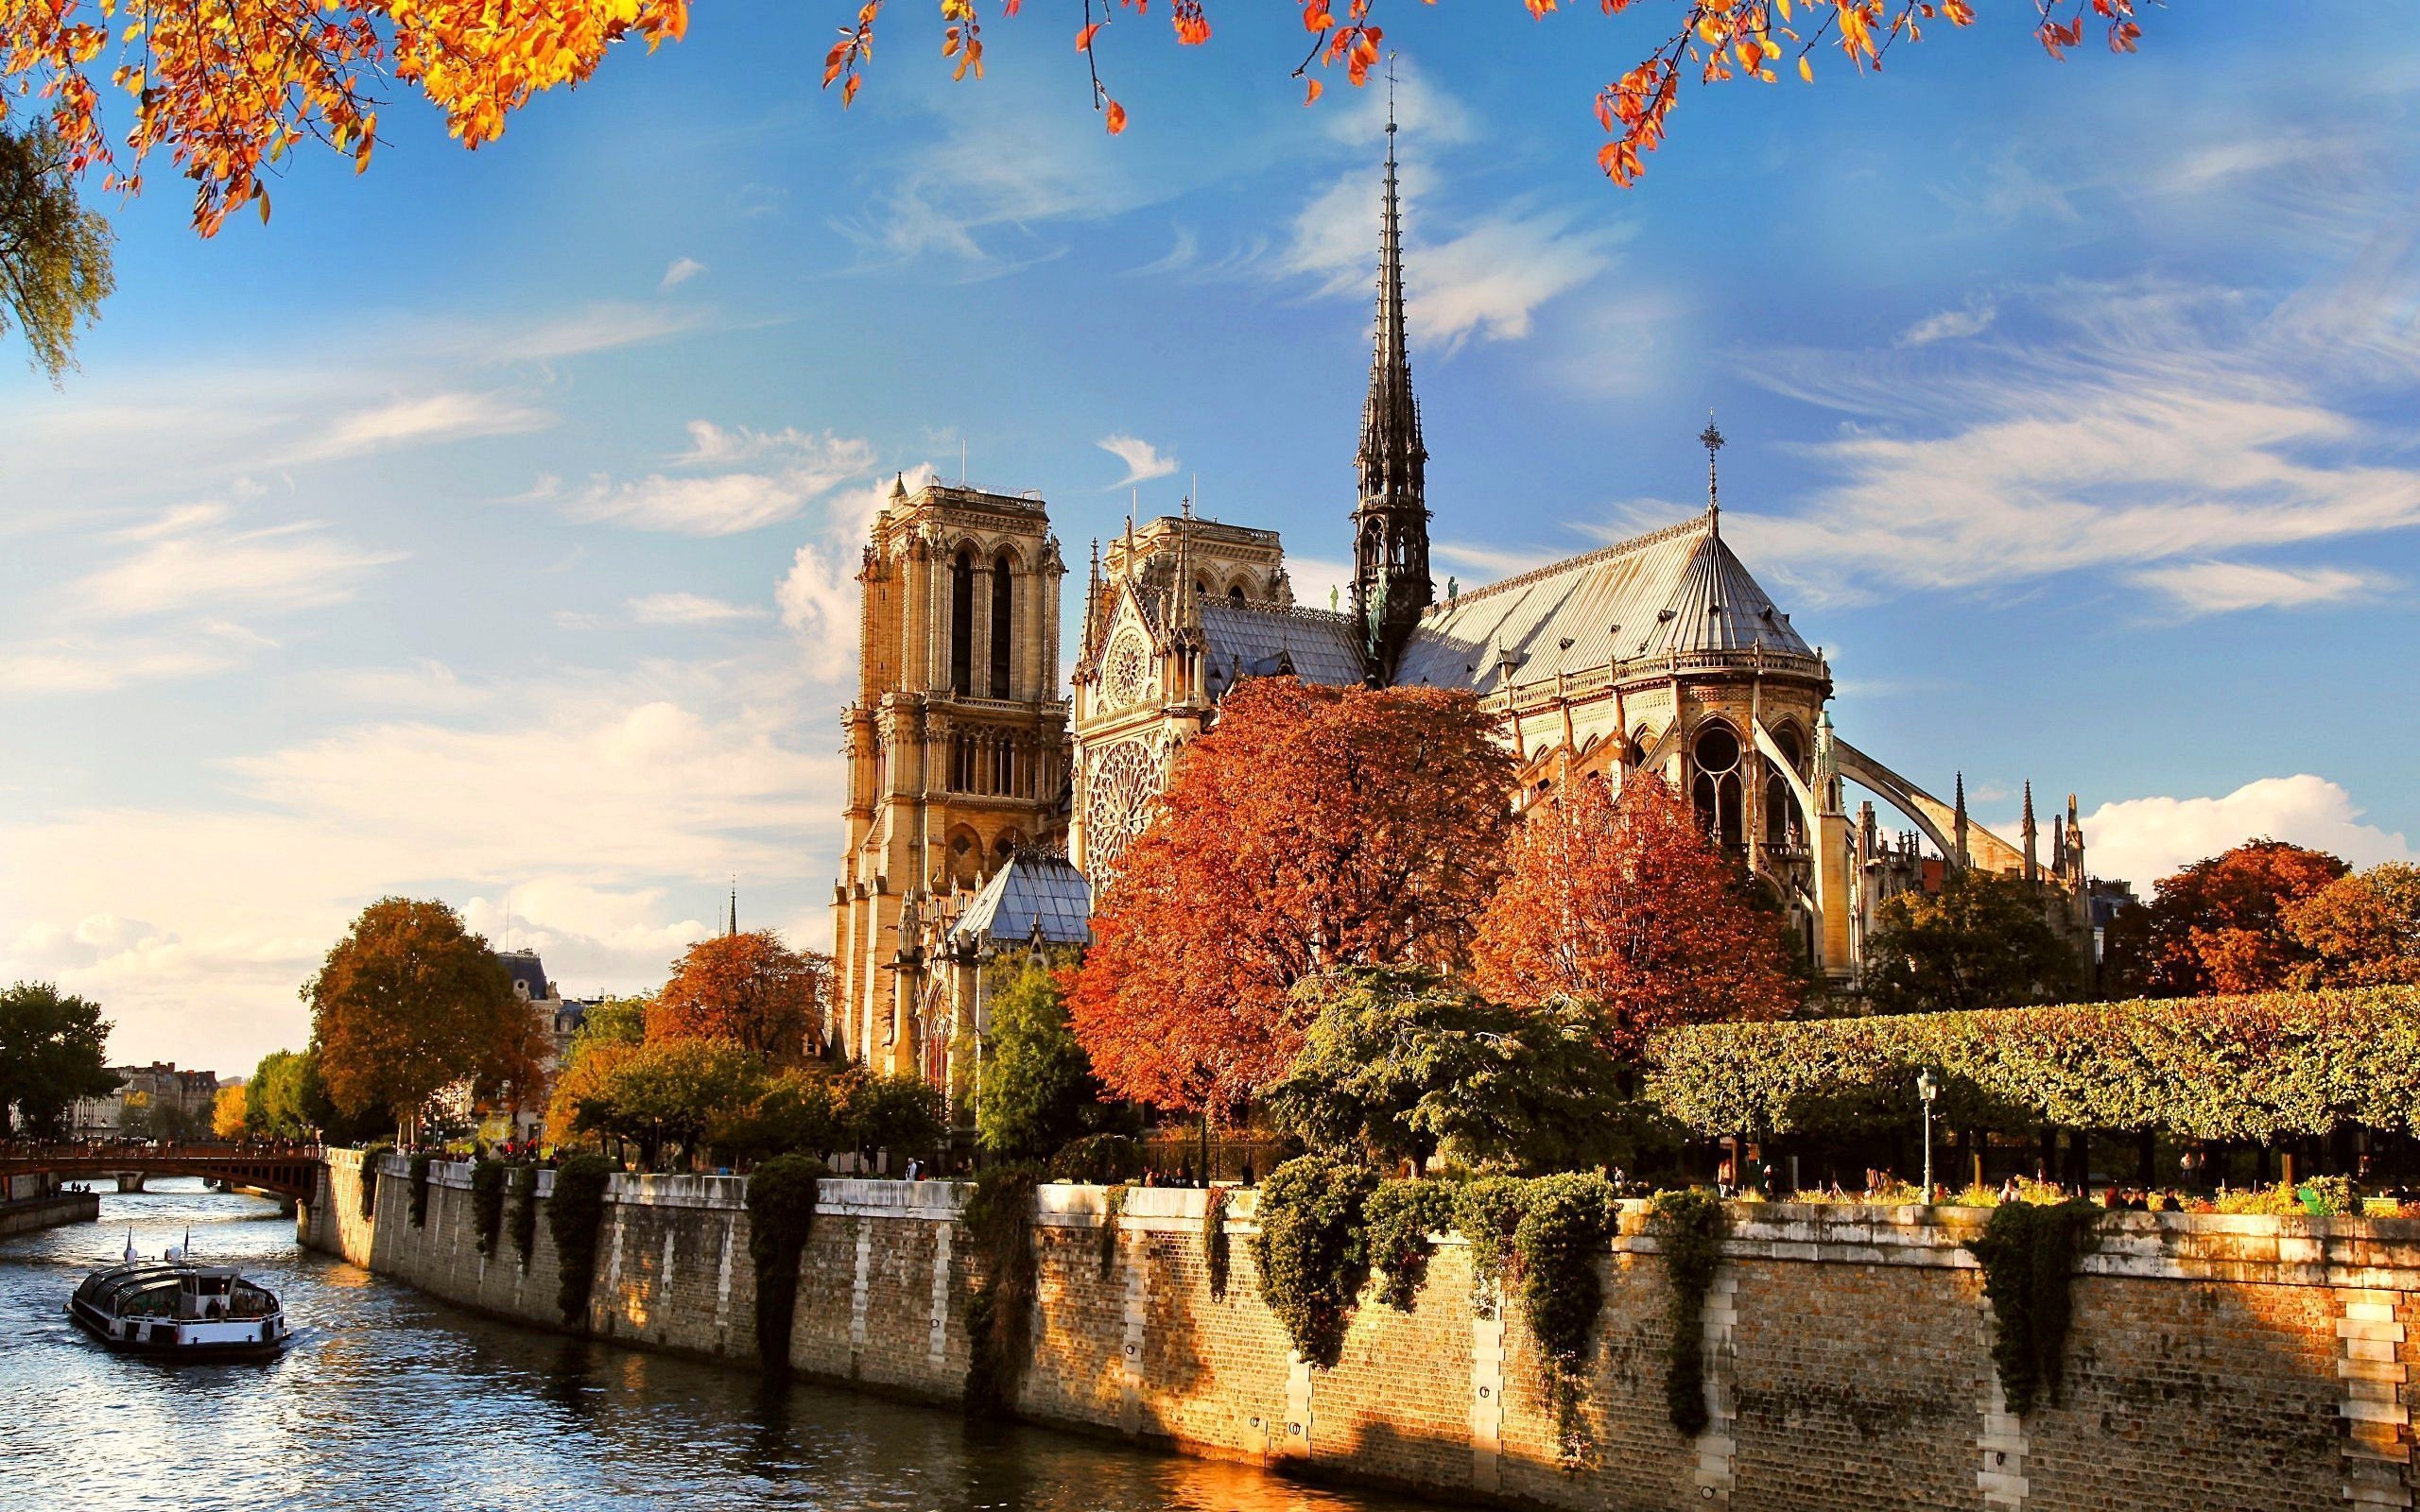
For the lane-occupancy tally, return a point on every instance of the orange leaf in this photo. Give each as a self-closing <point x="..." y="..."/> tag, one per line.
<point x="1084" y="38"/>
<point x="1116" y="118"/>
<point x="1311" y="95"/>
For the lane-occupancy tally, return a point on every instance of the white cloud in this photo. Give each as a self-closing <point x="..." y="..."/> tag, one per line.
<point x="2147" y="838"/>
<point x="818" y="598"/>
<point x="2226" y="587"/>
<point x="1143" y="461"/>
<point x="424" y="419"/>
<point x="682" y="271"/>
<point x="796" y="467"/>
<point x="276" y="569"/>
<point x="690" y="609"/>
<point x="1951" y="325"/>
<point x="70" y="666"/>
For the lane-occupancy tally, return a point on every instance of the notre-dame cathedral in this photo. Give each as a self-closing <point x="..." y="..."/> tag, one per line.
<point x="986" y="799"/>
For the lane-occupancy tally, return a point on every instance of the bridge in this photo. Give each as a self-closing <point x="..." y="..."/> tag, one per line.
<point x="288" y="1169"/>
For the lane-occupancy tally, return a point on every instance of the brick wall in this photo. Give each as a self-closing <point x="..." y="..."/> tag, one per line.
<point x="2221" y="1363"/>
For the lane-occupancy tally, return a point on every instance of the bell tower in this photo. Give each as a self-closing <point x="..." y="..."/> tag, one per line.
<point x="1390" y="583"/>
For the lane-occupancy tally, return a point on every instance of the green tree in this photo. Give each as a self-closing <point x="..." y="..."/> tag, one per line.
<point x="1037" y="1082"/>
<point x="54" y="253"/>
<point x="273" y="1099"/>
<point x="408" y="1002"/>
<point x="799" y="1112"/>
<point x="1400" y="1063"/>
<point x="904" y="1115"/>
<point x="1980" y="942"/>
<point x="666" y="1095"/>
<point x="54" y="1049"/>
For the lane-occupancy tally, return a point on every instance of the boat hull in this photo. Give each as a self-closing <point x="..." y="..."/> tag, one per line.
<point x="165" y="1342"/>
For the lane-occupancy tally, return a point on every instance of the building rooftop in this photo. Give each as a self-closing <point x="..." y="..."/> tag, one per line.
<point x="1035" y="896"/>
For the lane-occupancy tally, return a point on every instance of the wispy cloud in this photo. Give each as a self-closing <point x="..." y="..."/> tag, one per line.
<point x="274" y="570"/>
<point x="1143" y="461"/>
<point x="791" y="470"/>
<point x="421" y="420"/>
<point x="690" y="609"/>
<point x="680" y="272"/>
<point x="1951" y="325"/>
<point x="2228" y="587"/>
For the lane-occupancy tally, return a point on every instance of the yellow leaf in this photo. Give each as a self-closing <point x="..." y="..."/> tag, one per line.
<point x="1805" y="72"/>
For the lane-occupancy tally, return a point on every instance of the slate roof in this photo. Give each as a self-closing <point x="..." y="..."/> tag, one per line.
<point x="527" y="971"/>
<point x="1033" y="886"/>
<point x="1259" y="641"/>
<point x="1676" y="590"/>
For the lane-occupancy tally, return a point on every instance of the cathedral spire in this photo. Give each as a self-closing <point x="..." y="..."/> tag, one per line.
<point x="1390" y="583"/>
<point x="2033" y="868"/>
<point x="1958" y="826"/>
<point x="734" y="928"/>
<point x="1711" y="438"/>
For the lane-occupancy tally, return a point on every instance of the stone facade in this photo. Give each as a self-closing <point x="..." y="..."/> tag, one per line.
<point x="2240" y="1364"/>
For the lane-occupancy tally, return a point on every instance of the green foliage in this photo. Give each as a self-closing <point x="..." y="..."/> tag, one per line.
<point x="2028" y="1258"/>
<point x="797" y="1113"/>
<point x="2253" y="1068"/>
<point x="1213" y="1241"/>
<point x="371" y="1155"/>
<point x="421" y="1163"/>
<point x="1403" y="1215"/>
<point x="52" y="1046"/>
<point x="668" y="1094"/>
<point x="1099" y="1160"/>
<point x="904" y="1115"/>
<point x="2330" y="1197"/>
<point x="525" y="1213"/>
<point x="781" y="1194"/>
<point x="1399" y="1063"/>
<point x="575" y="1215"/>
<point x="1112" y="1208"/>
<point x="1037" y="1082"/>
<point x="1688" y="1229"/>
<point x="487" y="1201"/>
<point x="1312" y="1250"/>
<point x="273" y="1098"/>
<point x="1487" y="1213"/>
<point x="55" y="265"/>
<point x="1566" y="1227"/>
<point x="1980" y="942"/>
<point x="998" y="1218"/>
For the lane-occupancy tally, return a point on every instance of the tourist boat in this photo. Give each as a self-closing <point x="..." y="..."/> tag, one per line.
<point x="174" y="1308"/>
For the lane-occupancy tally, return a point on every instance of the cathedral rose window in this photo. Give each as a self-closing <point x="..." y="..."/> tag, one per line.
<point x="1117" y="805"/>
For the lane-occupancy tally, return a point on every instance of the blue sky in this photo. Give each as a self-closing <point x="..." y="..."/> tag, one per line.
<point x="481" y="526"/>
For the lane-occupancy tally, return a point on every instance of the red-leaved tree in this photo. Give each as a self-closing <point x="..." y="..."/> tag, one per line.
<point x="2221" y="925"/>
<point x="1312" y="828"/>
<point x="1622" y="904"/>
<point x="748" y="988"/>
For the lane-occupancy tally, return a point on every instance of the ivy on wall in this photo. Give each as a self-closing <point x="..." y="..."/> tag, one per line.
<point x="781" y="1211"/>
<point x="574" y="1216"/>
<point x="998" y="1217"/>
<point x="525" y="1213"/>
<point x="371" y="1155"/>
<point x="1565" y="1230"/>
<point x="1312" y="1250"/>
<point x="1487" y="1211"/>
<point x="1688" y="1228"/>
<point x="487" y="1201"/>
<point x="2029" y="1257"/>
<point x="1214" y="1242"/>
<point x="421" y="1163"/>
<point x="1112" y="1208"/>
<point x="1403" y="1214"/>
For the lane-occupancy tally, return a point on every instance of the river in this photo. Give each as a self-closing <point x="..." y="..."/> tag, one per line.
<point x="395" y="1401"/>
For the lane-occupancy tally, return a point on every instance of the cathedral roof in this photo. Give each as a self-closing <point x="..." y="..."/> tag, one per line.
<point x="1678" y="589"/>
<point x="1034" y="891"/>
<point x="1262" y="640"/>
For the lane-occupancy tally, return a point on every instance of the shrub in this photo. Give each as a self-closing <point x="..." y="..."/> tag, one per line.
<point x="1688" y="1229"/>
<point x="2331" y="1196"/>
<point x="1213" y="1241"/>
<point x="998" y="1217"/>
<point x="1037" y="1083"/>
<point x="1566" y="1227"/>
<point x="1487" y="1211"/>
<point x="525" y="1215"/>
<point x="1402" y="1217"/>
<point x="2277" y="1201"/>
<point x="1113" y="1206"/>
<point x="371" y="1155"/>
<point x="1312" y="1250"/>
<point x="1099" y="1160"/>
<point x="574" y="1216"/>
<point x="487" y="1201"/>
<point x="781" y="1211"/>
<point x="421" y="1163"/>
<point x="2028" y="1258"/>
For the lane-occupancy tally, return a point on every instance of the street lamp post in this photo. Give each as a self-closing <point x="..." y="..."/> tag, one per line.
<point x="1927" y="1088"/>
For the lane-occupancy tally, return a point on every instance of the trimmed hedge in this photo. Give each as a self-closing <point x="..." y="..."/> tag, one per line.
<point x="2256" y="1068"/>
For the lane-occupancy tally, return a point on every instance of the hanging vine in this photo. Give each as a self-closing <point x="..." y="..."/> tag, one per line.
<point x="1567" y="1227"/>
<point x="2029" y="1257"/>
<point x="998" y="1217"/>
<point x="1487" y="1211"/>
<point x="1213" y="1241"/>
<point x="1688" y="1228"/>
<point x="1112" y="1208"/>
<point x="781" y="1210"/>
<point x="419" y="1188"/>
<point x="1312" y="1250"/>
<point x="487" y="1201"/>
<point x="1403" y="1215"/>
<point x="371" y="1157"/>
<point x="575" y="1215"/>
<point x="525" y="1212"/>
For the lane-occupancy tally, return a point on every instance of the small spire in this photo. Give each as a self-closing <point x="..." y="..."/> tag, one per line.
<point x="1711" y="438"/>
<point x="899" y="485"/>
<point x="1958" y="824"/>
<point x="734" y="928"/>
<point x="2032" y="867"/>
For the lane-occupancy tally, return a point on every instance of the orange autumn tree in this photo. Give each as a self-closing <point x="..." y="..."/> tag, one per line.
<point x="1312" y="828"/>
<point x="1623" y="906"/>
<point x="2222" y="924"/>
<point x="748" y="988"/>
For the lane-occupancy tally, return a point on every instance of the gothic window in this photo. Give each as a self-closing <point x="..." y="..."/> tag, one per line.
<point x="1715" y="754"/>
<point x="962" y="623"/>
<point x="1784" y="825"/>
<point x="1122" y="676"/>
<point x="1117" y="805"/>
<point x="1003" y="595"/>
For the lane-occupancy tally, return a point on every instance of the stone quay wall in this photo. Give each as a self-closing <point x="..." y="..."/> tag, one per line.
<point x="25" y="1214"/>
<point x="2216" y="1362"/>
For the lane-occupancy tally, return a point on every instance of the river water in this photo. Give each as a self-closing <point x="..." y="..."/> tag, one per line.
<point x="394" y="1401"/>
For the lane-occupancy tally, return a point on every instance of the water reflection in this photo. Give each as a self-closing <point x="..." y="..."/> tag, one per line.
<point x="393" y="1400"/>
